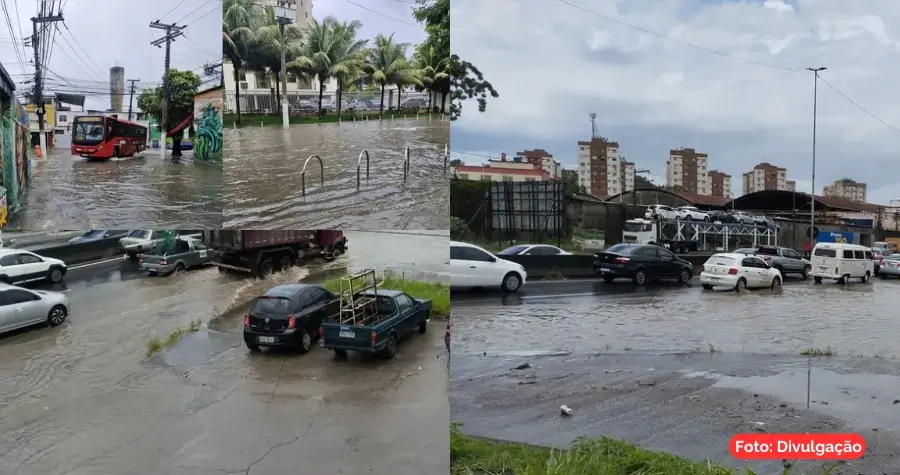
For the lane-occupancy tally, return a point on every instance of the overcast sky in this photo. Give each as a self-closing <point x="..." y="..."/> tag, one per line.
<point x="553" y="64"/>
<point x="377" y="16"/>
<point x="113" y="32"/>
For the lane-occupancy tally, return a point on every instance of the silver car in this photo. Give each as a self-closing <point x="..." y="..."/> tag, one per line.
<point x="890" y="266"/>
<point x="21" y="307"/>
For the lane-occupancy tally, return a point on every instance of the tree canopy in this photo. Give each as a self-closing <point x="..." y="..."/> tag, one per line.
<point x="183" y="86"/>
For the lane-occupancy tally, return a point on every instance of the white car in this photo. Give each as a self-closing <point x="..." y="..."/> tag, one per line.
<point x="660" y="212"/>
<point x="473" y="266"/>
<point x="139" y="241"/>
<point x="19" y="265"/>
<point x="691" y="213"/>
<point x="533" y="250"/>
<point x="738" y="272"/>
<point x="743" y="217"/>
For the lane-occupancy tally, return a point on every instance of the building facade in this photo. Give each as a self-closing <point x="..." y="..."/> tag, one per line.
<point x="846" y="188"/>
<point x="501" y="171"/>
<point x="686" y="170"/>
<point x="765" y="176"/>
<point x="50" y="106"/>
<point x="602" y="171"/>
<point x="791" y="185"/>
<point x="720" y="184"/>
<point x="541" y="158"/>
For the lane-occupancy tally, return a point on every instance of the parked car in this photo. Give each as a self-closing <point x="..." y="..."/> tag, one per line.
<point x="414" y="103"/>
<point x="743" y="217"/>
<point x="96" y="235"/>
<point x="18" y="265"/>
<point x="20" y="308"/>
<point x="394" y="316"/>
<point x="640" y="263"/>
<point x="533" y="250"/>
<point x="139" y="241"/>
<point x="786" y="261"/>
<point x="720" y="216"/>
<point x="691" y="213"/>
<point x="660" y="212"/>
<point x="745" y="250"/>
<point x="890" y="266"/>
<point x="473" y="266"/>
<point x="289" y="315"/>
<point x="738" y="272"/>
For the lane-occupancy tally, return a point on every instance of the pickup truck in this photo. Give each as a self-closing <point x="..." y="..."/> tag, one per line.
<point x="397" y="316"/>
<point x="188" y="253"/>
<point x="787" y="261"/>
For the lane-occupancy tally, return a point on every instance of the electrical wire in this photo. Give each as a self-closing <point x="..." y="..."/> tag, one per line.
<point x="383" y="15"/>
<point x="172" y="10"/>
<point x="194" y="10"/>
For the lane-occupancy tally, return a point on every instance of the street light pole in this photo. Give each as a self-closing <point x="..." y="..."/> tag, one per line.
<point x="812" y="201"/>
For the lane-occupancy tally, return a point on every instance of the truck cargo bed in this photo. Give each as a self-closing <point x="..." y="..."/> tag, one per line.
<point x="239" y="240"/>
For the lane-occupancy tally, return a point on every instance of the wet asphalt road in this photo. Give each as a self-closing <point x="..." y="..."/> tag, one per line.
<point x="679" y="369"/>
<point x="84" y="399"/>
<point x="138" y="192"/>
<point x="263" y="171"/>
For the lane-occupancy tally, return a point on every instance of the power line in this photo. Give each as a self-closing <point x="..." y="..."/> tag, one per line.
<point x="82" y="49"/>
<point x="383" y="15"/>
<point x="194" y="10"/>
<point x="858" y="106"/>
<point x="203" y="47"/>
<point x="195" y="20"/>
<point x="173" y="9"/>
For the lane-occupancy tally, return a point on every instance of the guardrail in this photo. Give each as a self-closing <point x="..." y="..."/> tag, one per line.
<point x="81" y="253"/>
<point x="579" y="265"/>
<point x="321" y="173"/>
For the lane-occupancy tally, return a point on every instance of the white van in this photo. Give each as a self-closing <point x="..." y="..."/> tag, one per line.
<point x="841" y="262"/>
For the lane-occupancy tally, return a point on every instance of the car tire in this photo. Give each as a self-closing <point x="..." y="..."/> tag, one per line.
<point x="817" y="280"/>
<point x="390" y="348"/>
<point x="706" y="219"/>
<point x="179" y="268"/>
<point x="285" y="264"/>
<point x="741" y="285"/>
<point x="640" y="277"/>
<point x="805" y="273"/>
<point x="423" y="327"/>
<point x="5" y="280"/>
<point x="685" y="277"/>
<point x="339" y="353"/>
<point x="608" y="279"/>
<point x="512" y="282"/>
<point x="687" y="217"/>
<point x="865" y="279"/>
<point x="253" y="348"/>
<point x="707" y="287"/>
<point x="776" y="283"/>
<point x="304" y="343"/>
<point x="57" y="316"/>
<point x="55" y="274"/>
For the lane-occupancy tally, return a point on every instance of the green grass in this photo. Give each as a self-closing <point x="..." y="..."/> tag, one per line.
<point x="828" y="351"/>
<point x="155" y="344"/>
<point x="254" y="120"/>
<point x="603" y="456"/>
<point x="437" y="292"/>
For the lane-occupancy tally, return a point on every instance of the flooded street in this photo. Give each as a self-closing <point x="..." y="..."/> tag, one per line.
<point x="69" y="192"/>
<point x="679" y="369"/>
<point x="83" y="398"/>
<point x="263" y="171"/>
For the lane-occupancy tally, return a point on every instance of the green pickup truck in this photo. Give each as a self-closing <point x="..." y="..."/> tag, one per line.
<point x="186" y="252"/>
<point x="397" y="316"/>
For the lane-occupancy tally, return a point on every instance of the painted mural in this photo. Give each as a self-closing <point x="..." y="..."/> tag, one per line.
<point x="4" y="209"/>
<point x="208" y="124"/>
<point x="23" y="166"/>
<point x="7" y="150"/>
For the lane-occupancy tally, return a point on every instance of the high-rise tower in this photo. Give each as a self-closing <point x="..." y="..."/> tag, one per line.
<point x="117" y="88"/>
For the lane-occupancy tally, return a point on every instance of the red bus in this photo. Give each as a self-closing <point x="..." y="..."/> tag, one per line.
<point x="97" y="136"/>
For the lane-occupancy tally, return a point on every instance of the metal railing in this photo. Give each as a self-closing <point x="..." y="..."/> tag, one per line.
<point x="446" y="156"/>
<point x="359" y="163"/>
<point x="303" y="173"/>
<point x="406" y="165"/>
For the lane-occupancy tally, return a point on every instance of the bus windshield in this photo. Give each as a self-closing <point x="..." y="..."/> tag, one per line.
<point x="87" y="132"/>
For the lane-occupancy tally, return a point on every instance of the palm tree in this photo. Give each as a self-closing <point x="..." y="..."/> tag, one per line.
<point x="388" y="65"/>
<point x="238" y="22"/>
<point x="349" y="55"/>
<point x="322" y="44"/>
<point x="432" y="70"/>
<point x="267" y="45"/>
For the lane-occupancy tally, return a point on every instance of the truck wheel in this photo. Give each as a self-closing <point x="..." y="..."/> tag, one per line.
<point x="339" y="353"/>
<point x="390" y="348"/>
<point x="818" y="280"/>
<point x="423" y="326"/>
<point x="285" y="264"/>
<point x="806" y="272"/>
<point x="179" y="268"/>
<point x="264" y="271"/>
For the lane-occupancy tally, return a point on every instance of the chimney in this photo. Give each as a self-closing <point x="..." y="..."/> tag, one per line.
<point x="503" y="157"/>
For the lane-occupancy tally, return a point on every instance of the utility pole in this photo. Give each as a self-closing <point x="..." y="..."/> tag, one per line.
<point x="283" y="13"/>
<point x="812" y="195"/>
<point x="172" y="31"/>
<point x="131" y="96"/>
<point x="38" y="77"/>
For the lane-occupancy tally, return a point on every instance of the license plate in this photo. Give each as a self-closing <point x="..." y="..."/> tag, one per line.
<point x="713" y="278"/>
<point x="267" y="339"/>
<point x="822" y="269"/>
<point x="345" y="334"/>
<point x="604" y="270"/>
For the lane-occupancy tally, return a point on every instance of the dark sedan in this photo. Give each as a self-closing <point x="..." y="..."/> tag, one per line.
<point x="289" y="315"/>
<point x="721" y="216"/>
<point x="640" y="263"/>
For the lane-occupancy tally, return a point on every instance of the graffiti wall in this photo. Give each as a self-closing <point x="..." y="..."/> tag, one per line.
<point x="7" y="151"/>
<point x="23" y="165"/>
<point x="208" y="126"/>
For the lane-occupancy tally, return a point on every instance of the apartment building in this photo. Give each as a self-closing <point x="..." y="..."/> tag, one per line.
<point x="765" y="176"/>
<point x="541" y="158"/>
<point x="719" y="184"/>
<point x="602" y="171"/>
<point x="686" y="169"/>
<point x="791" y="185"/>
<point x="846" y="188"/>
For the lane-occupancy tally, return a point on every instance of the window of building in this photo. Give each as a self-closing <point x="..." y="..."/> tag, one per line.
<point x="464" y="176"/>
<point x="486" y="177"/>
<point x="507" y="178"/>
<point x="63" y="118"/>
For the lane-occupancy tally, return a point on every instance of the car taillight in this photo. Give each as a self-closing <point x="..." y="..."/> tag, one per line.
<point x="140" y="261"/>
<point x="732" y="271"/>
<point x="247" y="321"/>
<point x="622" y="260"/>
<point x="881" y="262"/>
<point x="292" y="321"/>
<point x="321" y="332"/>
<point x="374" y="337"/>
<point x="163" y="262"/>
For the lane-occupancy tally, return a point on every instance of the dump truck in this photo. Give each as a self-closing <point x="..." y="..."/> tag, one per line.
<point x="260" y="253"/>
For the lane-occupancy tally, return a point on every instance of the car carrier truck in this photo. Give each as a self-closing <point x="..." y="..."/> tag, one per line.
<point x="646" y="231"/>
<point x="260" y="253"/>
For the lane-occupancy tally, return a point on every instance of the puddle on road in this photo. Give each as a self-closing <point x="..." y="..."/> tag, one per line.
<point x="865" y="400"/>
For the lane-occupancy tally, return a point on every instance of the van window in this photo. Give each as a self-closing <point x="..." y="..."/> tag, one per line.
<point x="848" y="254"/>
<point x="869" y="255"/>
<point x="822" y="252"/>
<point x="859" y="254"/>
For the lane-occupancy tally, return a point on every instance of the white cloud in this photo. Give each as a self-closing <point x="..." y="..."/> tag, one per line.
<point x="553" y="64"/>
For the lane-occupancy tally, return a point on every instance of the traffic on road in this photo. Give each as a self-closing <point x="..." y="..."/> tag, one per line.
<point x="84" y="393"/>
